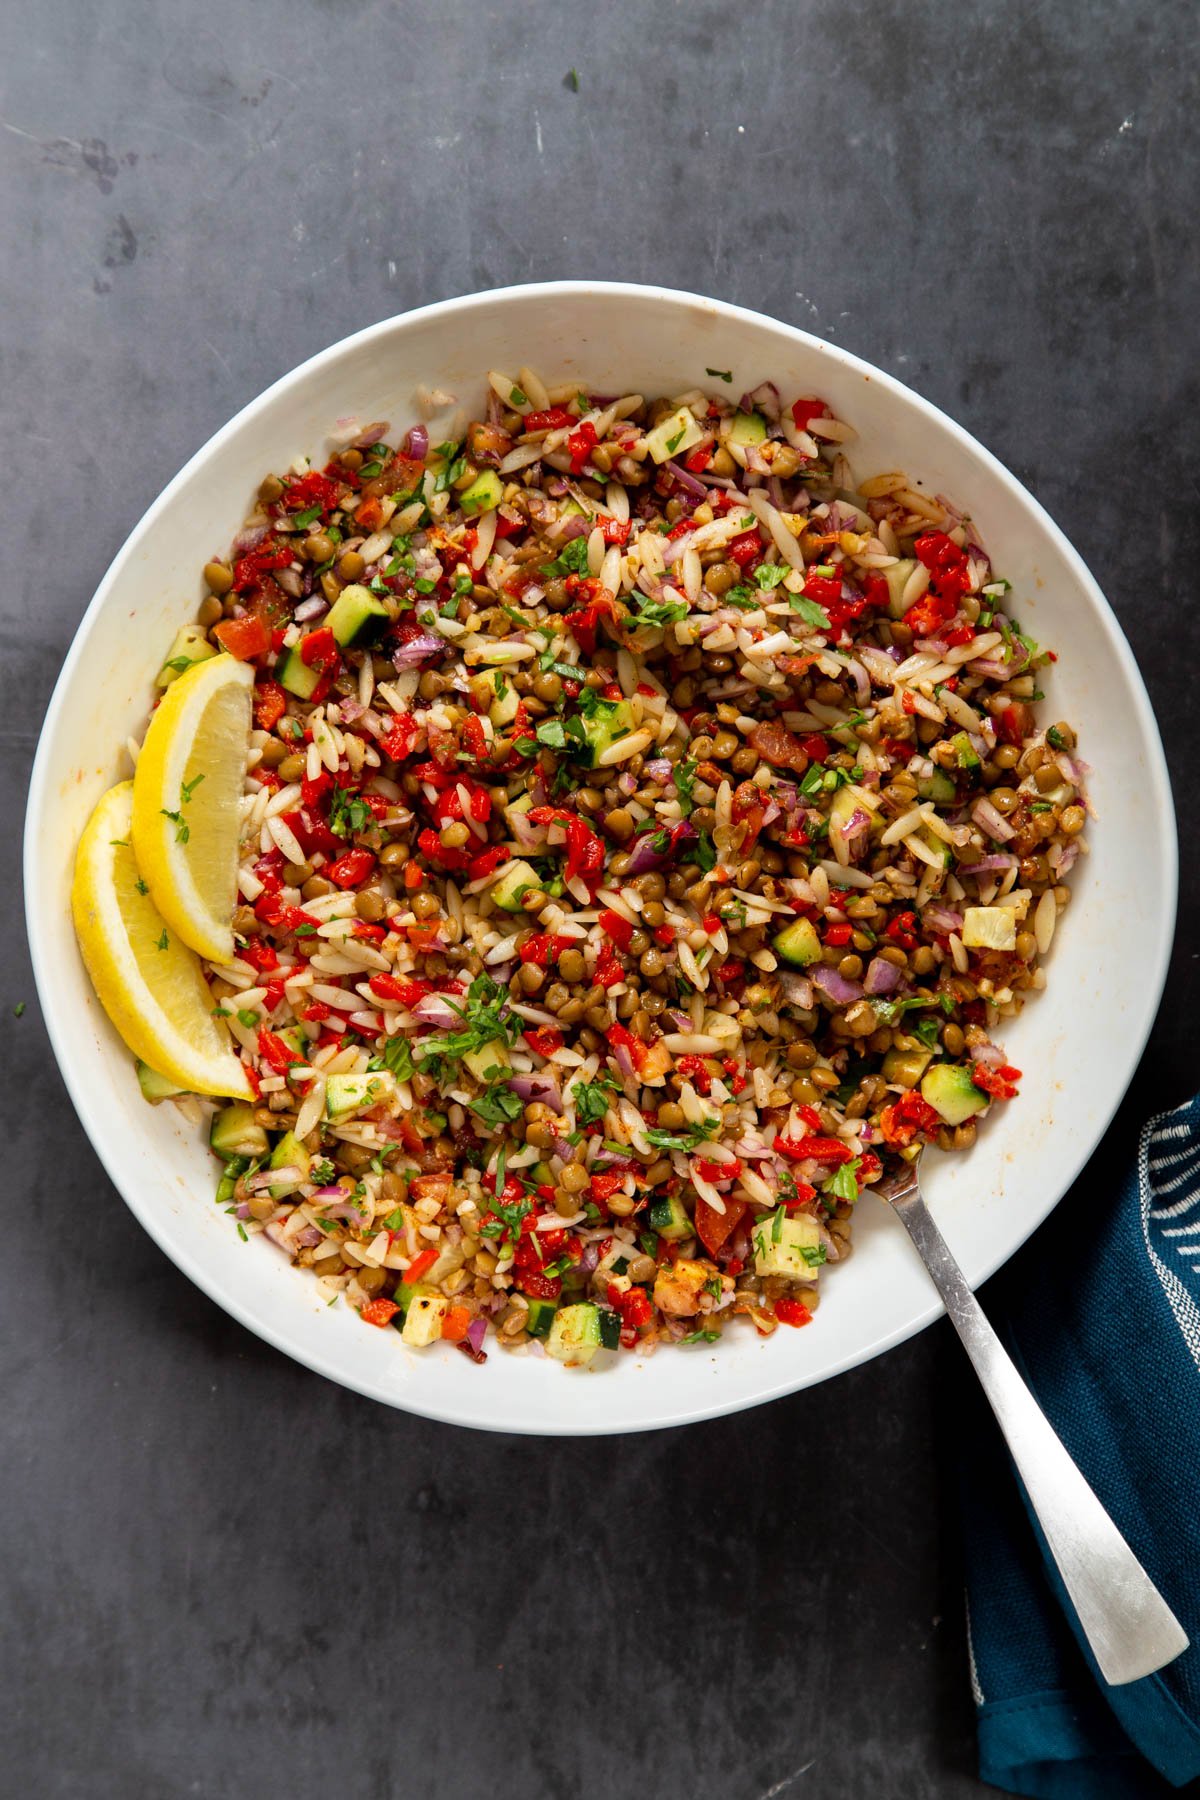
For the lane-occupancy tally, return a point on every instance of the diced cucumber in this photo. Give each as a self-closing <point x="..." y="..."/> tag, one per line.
<point x="234" y="1133"/>
<point x="540" y="1316"/>
<point x="989" y="928"/>
<point x="484" y="494"/>
<point x="952" y="1094"/>
<point x="521" y="804"/>
<point x="673" y="436"/>
<point x="289" y="1153"/>
<point x="798" y="943"/>
<point x="747" y="428"/>
<point x="493" y="689"/>
<point x="897" y="580"/>
<point x="941" y="849"/>
<point x="904" y="1068"/>
<point x="407" y="1291"/>
<point x="668" y="1216"/>
<point x="788" y="1247"/>
<point x="610" y="1328"/>
<point x="423" y="1320"/>
<point x="610" y="721"/>
<point x="574" y="1334"/>
<point x="518" y="878"/>
<point x="964" y="750"/>
<point x="492" y="1056"/>
<point x="234" y="1169"/>
<point x="356" y="617"/>
<point x="156" y="1087"/>
<point x="938" y="787"/>
<point x="191" y="645"/>
<point x="347" y="1094"/>
<point x="295" y="675"/>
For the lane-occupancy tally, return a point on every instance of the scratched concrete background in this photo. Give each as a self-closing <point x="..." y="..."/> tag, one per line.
<point x="222" y="1576"/>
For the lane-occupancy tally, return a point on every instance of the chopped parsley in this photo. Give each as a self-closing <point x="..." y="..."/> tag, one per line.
<point x="498" y="1106"/>
<point x="485" y="1017"/>
<point x="397" y="1056"/>
<point x="720" y="374"/>
<point x="247" y="1017"/>
<point x="684" y="775"/>
<point x="573" y="80"/>
<point x="769" y="575"/>
<point x="743" y="597"/>
<point x="701" y="1337"/>
<point x="183" y="830"/>
<point x="18" y="1009"/>
<point x="162" y="942"/>
<point x="844" y="1184"/>
<point x="1055" y="739"/>
<point x="704" y="853"/>
<point x="690" y="1139"/>
<point x="673" y="443"/>
<point x="659" y="612"/>
<point x="810" y="612"/>
<point x="141" y="886"/>
<point x="348" y="813"/>
<point x="188" y="788"/>
<point x="506" y="1221"/>
<point x="592" y="1100"/>
<point x="572" y="559"/>
<point x="517" y="396"/>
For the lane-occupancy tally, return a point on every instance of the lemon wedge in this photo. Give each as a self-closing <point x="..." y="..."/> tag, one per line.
<point x="187" y="794"/>
<point x="149" y="984"/>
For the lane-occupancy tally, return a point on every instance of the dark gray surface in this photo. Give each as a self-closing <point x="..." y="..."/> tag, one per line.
<point x="223" y="1576"/>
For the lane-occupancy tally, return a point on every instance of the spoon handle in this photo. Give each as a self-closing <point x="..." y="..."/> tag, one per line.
<point x="1129" y="1626"/>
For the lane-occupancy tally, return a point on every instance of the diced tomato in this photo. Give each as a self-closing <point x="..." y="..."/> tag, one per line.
<point x="909" y="1115"/>
<point x="379" y="1312"/>
<point x="776" y="744"/>
<point x="959" y="634"/>
<point x="619" y="929"/>
<point x="803" y="1195"/>
<point x="369" y="516"/>
<point x="633" y="1305"/>
<point x="792" y="1312"/>
<point x="580" y="445"/>
<point x="259" y="955"/>
<point x="810" y="1116"/>
<point x="272" y="995"/>
<point x="585" y="852"/>
<point x="746" y="549"/>
<point x="1015" y="723"/>
<point x="405" y="993"/>
<point x="420" y="1264"/>
<point x="616" y="531"/>
<point x="311" y="490"/>
<point x="486" y="861"/>
<point x="837" y="935"/>
<point x="717" y="1172"/>
<point x="930" y="613"/>
<point x="313" y="833"/>
<point x="352" y="869"/>
<point x="400" y="737"/>
<point x="270" y="704"/>
<point x="1000" y="1083"/>
<point x="815" y="747"/>
<point x="544" y="1039"/>
<point x="605" y="1185"/>
<point x="550" y="418"/>
<point x="608" y="969"/>
<point x="455" y="1323"/>
<point x="542" y="1287"/>
<point x="902" y="930"/>
<point x="713" y="1227"/>
<point x="804" y="410"/>
<point x="697" y="460"/>
<point x="244" y="638"/>
<point x="315" y="1012"/>
<point x="833" y="1151"/>
<point x="274" y="1051"/>
<point x="696" y="1070"/>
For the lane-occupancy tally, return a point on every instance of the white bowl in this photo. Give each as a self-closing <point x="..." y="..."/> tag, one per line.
<point x="1078" y="1044"/>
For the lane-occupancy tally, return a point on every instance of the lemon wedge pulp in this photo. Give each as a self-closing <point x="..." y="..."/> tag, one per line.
<point x="187" y="794"/>
<point x="148" y="982"/>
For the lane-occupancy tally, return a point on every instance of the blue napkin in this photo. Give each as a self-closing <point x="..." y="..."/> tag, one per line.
<point x="1101" y="1312"/>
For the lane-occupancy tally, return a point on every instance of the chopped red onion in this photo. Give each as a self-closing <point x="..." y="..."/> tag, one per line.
<point x="418" y="649"/>
<point x="310" y="609"/>
<point x="993" y="822"/>
<point x="306" y="1239"/>
<point x="797" y="990"/>
<point x="882" y="976"/>
<point x="658" y="769"/>
<point x="858" y="821"/>
<point x="644" y="857"/>
<point x="991" y="865"/>
<point x="542" y="1087"/>
<point x="247" y="540"/>
<point x="476" y="1332"/>
<point x="434" y="1009"/>
<point x="835" y="987"/>
<point x="416" y="442"/>
<point x="943" y="918"/>
<point x="266" y="1178"/>
<point x="688" y="481"/>
<point x="775" y="490"/>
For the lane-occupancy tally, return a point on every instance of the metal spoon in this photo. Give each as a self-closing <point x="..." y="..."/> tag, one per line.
<point x="1129" y="1626"/>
